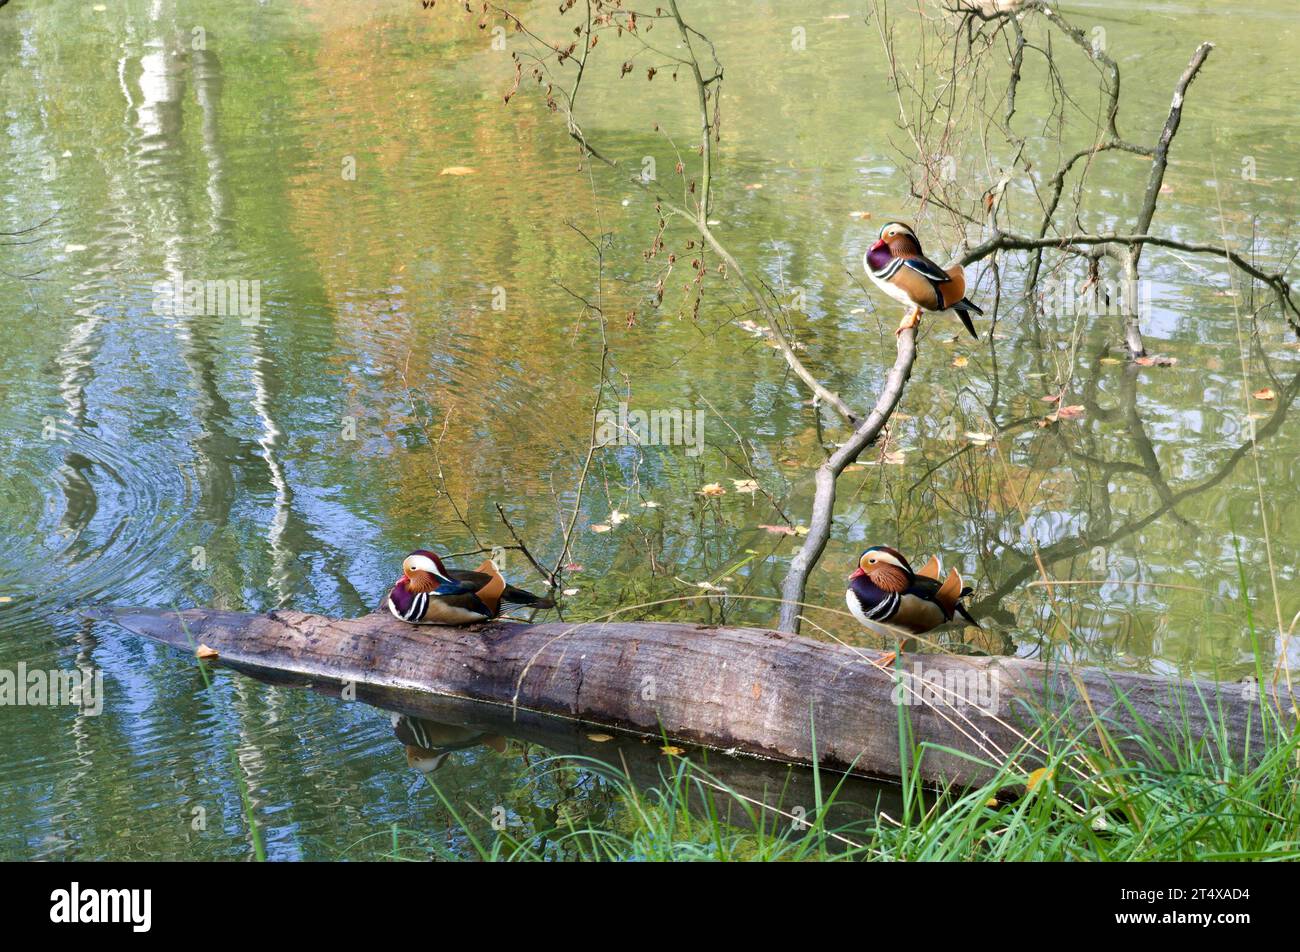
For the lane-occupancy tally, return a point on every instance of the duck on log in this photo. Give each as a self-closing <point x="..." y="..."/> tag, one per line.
<point x="742" y="690"/>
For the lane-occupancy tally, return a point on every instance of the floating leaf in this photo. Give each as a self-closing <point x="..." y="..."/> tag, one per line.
<point x="458" y="170"/>
<point x="801" y="530"/>
<point x="778" y="530"/>
<point x="1156" y="361"/>
<point x="601" y="527"/>
<point x="671" y="751"/>
<point x="616" y="517"/>
<point x="1052" y="398"/>
<point x="1265" y="394"/>
<point x="600" y="738"/>
<point x="712" y="489"/>
<point x="4" y="599"/>
<point x="1072" y="412"/>
<point x="571" y="591"/>
<point x="71" y="248"/>
<point x="204" y="653"/>
<point x="746" y="485"/>
<point x="756" y="185"/>
<point x="960" y="361"/>
<point x="1110" y="360"/>
<point x="573" y="567"/>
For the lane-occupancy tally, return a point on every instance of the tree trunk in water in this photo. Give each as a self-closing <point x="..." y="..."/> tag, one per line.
<point x="746" y="690"/>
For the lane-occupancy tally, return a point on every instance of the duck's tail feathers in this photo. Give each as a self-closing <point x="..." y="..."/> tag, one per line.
<point x="963" y="309"/>
<point x="965" y="614"/>
<point x="519" y="597"/>
<point x="933" y="569"/>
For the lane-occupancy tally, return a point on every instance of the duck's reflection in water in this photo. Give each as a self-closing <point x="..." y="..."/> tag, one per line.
<point x="428" y="744"/>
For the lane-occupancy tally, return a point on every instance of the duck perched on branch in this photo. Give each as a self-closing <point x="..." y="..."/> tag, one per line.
<point x="429" y="593"/>
<point x="898" y="267"/>
<point x="887" y="596"/>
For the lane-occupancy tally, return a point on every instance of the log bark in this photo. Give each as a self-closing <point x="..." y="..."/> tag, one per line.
<point x="741" y="690"/>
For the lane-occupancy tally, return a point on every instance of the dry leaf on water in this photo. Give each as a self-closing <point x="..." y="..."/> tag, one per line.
<point x="746" y="485"/>
<point x="712" y="489"/>
<point x="458" y="170"/>
<point x="600" y="738"/>
<point x="960" y="361"/>
<point x="778" y="530"/>
<point x="205" y="653"/>
<point x="671" y="750"/>
<point x="1265" y="394"/>
<point x="601" y="527"/>
<point x="1072" y="412"/>
<point x="1156" y="361"/>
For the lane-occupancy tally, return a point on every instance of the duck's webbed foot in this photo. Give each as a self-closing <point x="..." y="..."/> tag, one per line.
<point x="911" y="319"/>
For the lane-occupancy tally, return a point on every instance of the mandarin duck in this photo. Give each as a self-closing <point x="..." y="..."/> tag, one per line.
<point x="429" y="593"/>
<point x="898" y="267"/>
<point x="887" y="596"/>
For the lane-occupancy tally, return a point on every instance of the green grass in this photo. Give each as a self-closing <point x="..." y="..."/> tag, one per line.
<point x="1180" y="798"/>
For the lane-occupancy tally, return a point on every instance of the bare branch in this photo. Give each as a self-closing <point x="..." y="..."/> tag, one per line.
<point x="819" y="527"/>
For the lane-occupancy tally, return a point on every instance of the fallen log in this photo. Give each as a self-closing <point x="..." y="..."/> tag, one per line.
<point x="741" y="690"/>
<point x="782" y="789"/>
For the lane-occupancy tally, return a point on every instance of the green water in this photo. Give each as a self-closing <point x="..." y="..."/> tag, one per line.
<point x="380" y="402"/>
